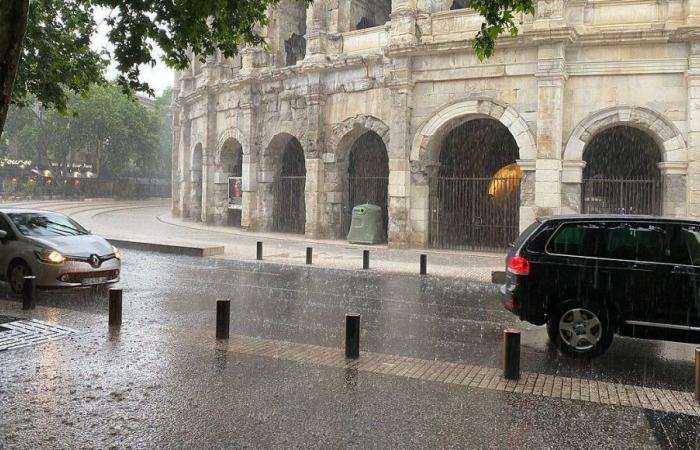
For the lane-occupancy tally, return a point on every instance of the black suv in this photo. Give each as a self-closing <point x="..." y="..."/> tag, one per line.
<point x="588" y="277"/>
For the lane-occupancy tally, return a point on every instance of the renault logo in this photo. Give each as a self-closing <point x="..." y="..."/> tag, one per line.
<point x="94" y="261"/>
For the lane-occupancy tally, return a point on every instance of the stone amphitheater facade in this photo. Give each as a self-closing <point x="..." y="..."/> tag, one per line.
<point x="404" y="72"/>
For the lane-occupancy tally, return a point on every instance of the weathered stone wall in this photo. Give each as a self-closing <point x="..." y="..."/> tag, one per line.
<point x="577" y="69"/>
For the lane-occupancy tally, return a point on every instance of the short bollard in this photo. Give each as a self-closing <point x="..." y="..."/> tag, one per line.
<point x="697" y="374"/>
<point x="28" y="292"/>
<point x="259" y="251"/>
<point x="511" y="354"/>
<point x="115" y="307"/>
<point x="352" y="336"/>
<point x="365" y="259"/>
<point x="223" y="318"/>
<point x="423" y="264"/>
<point x="309" y="255"/>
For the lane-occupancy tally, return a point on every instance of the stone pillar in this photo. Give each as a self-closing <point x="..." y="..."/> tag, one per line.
<point x="249" y="187"/>
<point x="399" y="152"/>
<point x="314" y="140"/>
<point x="551" y="79"/>
<point x="403" y="23"/>
<point x="572" y="179"/>
<point x="176" y="209"/>
<point x="208" y="162"/>
<point x="420" y="203"/>
<point x="693" y="181"/>
<point x="247" y="123"/>
<point x="316" y="32"/>
<point x="693" y="12"/>
<point x="527" y="193"/>
<point x="185" y="162"/>
<point x="674" y="188"/>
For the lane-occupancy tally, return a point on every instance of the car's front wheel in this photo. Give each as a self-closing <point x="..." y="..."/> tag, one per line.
<point x="18" y="271"/>
<point x="580" y="330"/>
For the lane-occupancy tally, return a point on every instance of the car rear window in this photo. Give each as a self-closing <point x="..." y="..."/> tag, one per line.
<point x="525" y="234"/>
<point x="685" y="245"/>
<point x="576" y="239"/>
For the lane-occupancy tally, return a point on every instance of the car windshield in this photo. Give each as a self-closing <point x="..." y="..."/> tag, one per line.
<point x="46" y="224"/>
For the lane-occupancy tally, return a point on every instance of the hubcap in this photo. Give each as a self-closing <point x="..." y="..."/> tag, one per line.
<point x="580" y="329"/>
<point x="18" y="278"/>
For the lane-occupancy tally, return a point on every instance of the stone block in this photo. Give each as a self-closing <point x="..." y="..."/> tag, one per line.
<point x="548" y="200"/>
<point x="397" y="190"/>
<point x="548" y="164"/>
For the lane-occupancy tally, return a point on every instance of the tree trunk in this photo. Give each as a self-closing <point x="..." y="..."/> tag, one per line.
<point x="13" y="26"/>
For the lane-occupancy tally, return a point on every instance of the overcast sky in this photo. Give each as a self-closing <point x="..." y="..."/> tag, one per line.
<point x="159" y="77"/>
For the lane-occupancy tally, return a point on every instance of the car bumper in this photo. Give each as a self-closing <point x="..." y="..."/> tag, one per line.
<point x="76" y="274"/>
<point x="508" y="299"/>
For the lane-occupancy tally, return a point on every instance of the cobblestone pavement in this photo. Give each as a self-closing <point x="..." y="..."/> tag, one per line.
<point x="151" y="221"/>
<point x="428" y="376"/>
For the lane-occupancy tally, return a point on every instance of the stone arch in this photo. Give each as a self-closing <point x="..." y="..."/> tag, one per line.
<point x="669" y="139"/>
<point x="427" y="141"/>
<point x="231" y="133"/>
<point x="345" y="133"/>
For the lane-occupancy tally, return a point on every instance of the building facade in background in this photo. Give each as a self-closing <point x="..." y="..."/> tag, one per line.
<point x="594" y="107"/>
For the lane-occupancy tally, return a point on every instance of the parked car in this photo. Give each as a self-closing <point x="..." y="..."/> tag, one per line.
<point x="590" y="277"/>
<point x="55" y="249"/>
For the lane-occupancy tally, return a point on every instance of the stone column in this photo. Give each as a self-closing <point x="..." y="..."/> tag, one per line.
<point x="674" y="188"/>
<point x="314" y="139"/>
<point x="176" y="209"/>
<point x="551" y="78"/>
<point x="403" y="23"/>
<point x="399" y="152"/>
<point x="693" y="181"/>
<point x="316" y="32"/>
<point x="571" y="179"/>
<point x="247" y="123"/>
<point x="693" y="12"/>
<point x="208" y="162"/>
<point x="185" y="163"/>
<point x="420" y="202"/>
<point x="527" y="193"/>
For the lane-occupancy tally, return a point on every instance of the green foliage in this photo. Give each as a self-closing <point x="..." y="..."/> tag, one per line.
<point x="499" y="18"/>
<point x="121" y="135"/>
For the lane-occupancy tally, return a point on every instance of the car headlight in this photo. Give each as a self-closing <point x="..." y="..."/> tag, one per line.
<point x="50" y="256"/>
<point x="117" y="252"/>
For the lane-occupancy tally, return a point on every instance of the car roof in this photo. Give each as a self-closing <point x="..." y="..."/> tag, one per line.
<point x="605" y="217"/>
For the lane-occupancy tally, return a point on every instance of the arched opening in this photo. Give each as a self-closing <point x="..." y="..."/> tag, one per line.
<point x="368" y="178"/>
<point x="369" y="14"/>
<point x="288" y="28"/>
<point x="196" y="183"/>
<point x="475" y="191"/>
<point x="622" y="174"/>
<point x="289" y="189"/>
<point x="459" y="4"/>
<point x="231" y="168"/>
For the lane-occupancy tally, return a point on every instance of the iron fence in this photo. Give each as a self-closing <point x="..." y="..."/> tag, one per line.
<point x="479" y="214"/>
<point x="290" y="204"/>
<point x="621" y="196"/>
<point x="373" y="190"/>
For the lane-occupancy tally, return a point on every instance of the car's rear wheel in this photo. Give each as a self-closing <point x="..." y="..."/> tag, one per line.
<point x="18" y="270"/>
<point x="580" y="330"/>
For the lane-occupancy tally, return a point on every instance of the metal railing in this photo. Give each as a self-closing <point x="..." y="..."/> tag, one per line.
<point x="621" y="196"/>
<point x="290" y="205"/>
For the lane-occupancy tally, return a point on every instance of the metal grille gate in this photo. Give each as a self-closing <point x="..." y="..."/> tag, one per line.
<point x="361" y="190"/>
<point x="463" y="216"/>
<point x="290" y="204"/>
<point x="621" y="196"/>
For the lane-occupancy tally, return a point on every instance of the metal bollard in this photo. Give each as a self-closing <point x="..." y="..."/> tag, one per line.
<point x="309" y="255"/>
<point x="365" y="259"/>
<point x="223" y="318"/>
<point x="28" y="292"/>
<point x="115" y="307"/>
<point x="697" y="374"/>
<point x="260" y="251"/>
<point x="352" y="336"/>
<point x="511" y="354"/>
<point x="423" y="264"/>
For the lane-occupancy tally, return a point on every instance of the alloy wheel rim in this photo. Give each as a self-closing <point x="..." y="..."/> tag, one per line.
<point x="580" y="329"/>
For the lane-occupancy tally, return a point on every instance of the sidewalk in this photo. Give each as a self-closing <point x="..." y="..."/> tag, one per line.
<point x="151" y="221"/>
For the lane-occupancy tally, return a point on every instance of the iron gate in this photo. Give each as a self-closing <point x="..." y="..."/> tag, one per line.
<point x="290" y="204"/>
<point x="621" y="196"/>
<point x="474" y="213"/>
<point x="373" y="190"/>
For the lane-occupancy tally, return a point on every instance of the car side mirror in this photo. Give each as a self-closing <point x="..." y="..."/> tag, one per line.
<point x="3" y="235"/>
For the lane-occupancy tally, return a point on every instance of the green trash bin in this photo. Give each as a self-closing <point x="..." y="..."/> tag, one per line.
<point x="366" y="226"/>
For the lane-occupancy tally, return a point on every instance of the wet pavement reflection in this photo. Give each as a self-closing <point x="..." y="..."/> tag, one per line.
<point x="163" y="380"/>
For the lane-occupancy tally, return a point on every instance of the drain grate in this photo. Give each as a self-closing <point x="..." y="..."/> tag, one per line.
<point x="23" y="333"/>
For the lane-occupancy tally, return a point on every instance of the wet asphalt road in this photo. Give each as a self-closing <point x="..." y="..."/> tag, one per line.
<point x="161" y="381"/>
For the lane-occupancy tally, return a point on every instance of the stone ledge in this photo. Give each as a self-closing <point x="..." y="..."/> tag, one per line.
<point x="174" y="249"/>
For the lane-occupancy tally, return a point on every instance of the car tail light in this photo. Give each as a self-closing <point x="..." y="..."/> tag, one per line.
<point x="518" y="265"/>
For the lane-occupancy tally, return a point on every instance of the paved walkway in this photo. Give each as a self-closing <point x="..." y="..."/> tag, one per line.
<point x="151" y="221"/>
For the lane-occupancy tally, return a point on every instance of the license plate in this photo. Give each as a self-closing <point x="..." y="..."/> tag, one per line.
<point x="96" y="280"/>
